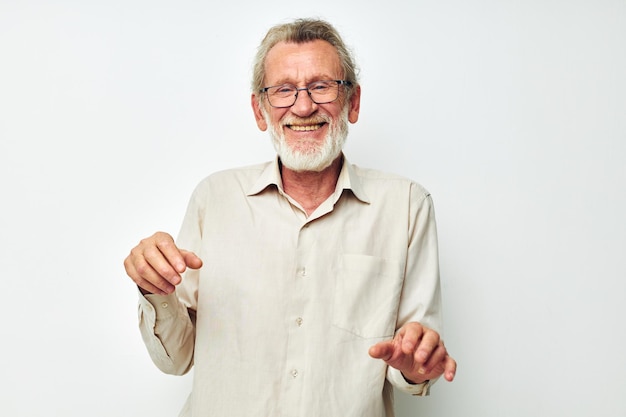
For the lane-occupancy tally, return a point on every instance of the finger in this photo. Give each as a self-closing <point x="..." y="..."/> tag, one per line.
<point x="410" y="335"/>
<point x="450" y="369"/>
<point x="171" y="253"/>
<point x="382" y="350"/>
<point x="191" y="259"/>
<point x="153" y="265"/>
<point x="427" y="345"/>
<point x="146" y="278"/>
<point x="147" y="288"/>
<point x="437" y="358"/>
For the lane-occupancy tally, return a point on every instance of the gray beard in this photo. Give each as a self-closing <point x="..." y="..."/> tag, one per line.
<point x="315" y="160"/>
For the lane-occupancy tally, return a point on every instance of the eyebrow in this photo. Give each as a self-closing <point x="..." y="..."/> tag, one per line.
<point x="312" y="80"/>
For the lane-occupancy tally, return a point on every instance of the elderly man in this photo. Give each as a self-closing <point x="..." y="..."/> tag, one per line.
<point x="305" y="286"/>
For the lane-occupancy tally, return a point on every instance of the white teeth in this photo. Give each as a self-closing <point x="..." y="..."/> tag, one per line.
<point x="306" y="128"/>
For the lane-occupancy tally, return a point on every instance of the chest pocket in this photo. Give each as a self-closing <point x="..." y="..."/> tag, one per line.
<point x="367" y="293"/>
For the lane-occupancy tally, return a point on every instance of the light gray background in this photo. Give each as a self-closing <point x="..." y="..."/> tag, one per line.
<point x="512" y="113"/>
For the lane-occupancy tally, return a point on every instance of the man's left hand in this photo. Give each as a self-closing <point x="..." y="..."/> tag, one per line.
<point x="418" y="352"/>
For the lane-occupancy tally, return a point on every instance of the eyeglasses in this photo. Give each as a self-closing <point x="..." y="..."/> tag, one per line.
<point x="321" y="92"/>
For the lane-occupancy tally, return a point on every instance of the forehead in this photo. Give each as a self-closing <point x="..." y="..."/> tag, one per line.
<point x="302" y="63"/>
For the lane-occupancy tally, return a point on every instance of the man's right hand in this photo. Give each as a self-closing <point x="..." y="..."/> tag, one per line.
<point x="156" y="264"/>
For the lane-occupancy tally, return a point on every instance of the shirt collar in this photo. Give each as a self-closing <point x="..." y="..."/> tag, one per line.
<point x="348" y="180"/>
<point x="269" y="176"/>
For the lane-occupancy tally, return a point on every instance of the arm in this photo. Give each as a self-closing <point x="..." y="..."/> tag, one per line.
<point x="416" y="354"/>
<point x="168" y="330"/>
<point x="167" y="302"/>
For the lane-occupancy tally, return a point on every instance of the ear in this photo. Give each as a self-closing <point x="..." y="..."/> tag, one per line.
<point x="258" y="115"/>
<point x="355" y="105"/>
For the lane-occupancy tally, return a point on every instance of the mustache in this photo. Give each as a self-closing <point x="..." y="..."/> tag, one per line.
<point x="313" y="120"/>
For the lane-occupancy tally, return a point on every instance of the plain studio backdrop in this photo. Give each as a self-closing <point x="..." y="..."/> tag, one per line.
<point x="511" y="113"/>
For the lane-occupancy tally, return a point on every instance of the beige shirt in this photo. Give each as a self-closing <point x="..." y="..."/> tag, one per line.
<point x="279" y="320"/>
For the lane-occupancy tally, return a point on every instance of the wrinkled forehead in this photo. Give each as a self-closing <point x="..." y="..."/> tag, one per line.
<point x="298" y="63"/>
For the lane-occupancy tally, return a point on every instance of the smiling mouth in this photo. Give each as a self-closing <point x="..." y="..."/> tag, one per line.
<point x="305" y="128"/>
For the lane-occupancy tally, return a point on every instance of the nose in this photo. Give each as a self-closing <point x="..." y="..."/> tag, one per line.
<point x="304" y="105"/>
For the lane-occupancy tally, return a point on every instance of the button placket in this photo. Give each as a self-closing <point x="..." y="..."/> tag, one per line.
<point x="300" y="283"/>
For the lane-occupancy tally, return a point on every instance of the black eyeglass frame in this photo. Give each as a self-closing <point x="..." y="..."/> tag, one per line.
<point x="295" y="96"/>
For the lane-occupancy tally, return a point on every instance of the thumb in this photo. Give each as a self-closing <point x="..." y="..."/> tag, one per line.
<point x="382" y="350"/>
<point x="191" y="259"/>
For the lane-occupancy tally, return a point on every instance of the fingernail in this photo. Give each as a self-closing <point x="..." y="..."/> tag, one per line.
<point x="421" y="371"/>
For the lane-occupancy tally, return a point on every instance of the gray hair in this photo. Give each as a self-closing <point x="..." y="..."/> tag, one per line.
<point x="302" y="31"/>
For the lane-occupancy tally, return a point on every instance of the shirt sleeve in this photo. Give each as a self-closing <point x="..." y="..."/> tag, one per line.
<point x="167" y="322"/>
<point x="397" y="380"/>
<point x="167" y="331"/>
<point x="421" y="294"/>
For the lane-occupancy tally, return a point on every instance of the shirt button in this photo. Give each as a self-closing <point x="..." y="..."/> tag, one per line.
<point x="299" y="321"/>
<point x="303" y="272"/>
<point x="294" y="373"/>
<point x="164" y="305"/>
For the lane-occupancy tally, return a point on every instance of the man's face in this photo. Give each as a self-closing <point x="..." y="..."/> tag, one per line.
<point x="307" y="136"/>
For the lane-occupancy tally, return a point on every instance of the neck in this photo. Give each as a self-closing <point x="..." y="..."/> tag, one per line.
<point x="310" y="188"/>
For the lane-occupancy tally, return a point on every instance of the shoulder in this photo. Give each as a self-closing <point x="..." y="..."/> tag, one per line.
<point x="238" y="173"/>
<point x="377" y="181"/>
<point x="226" y="185"/>
<point x="245" y="175"/>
